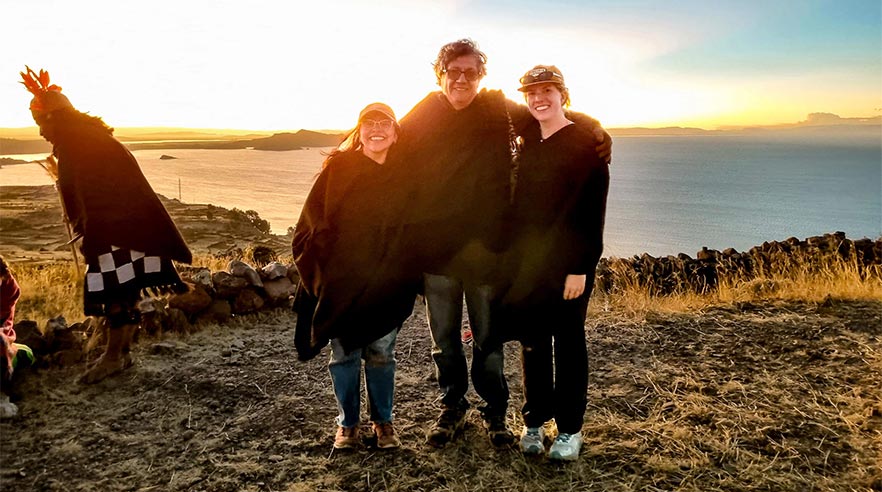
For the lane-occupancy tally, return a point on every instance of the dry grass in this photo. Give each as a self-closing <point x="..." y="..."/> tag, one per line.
<point x="52" y="289"/>
<point x="800" y="278"/>
<point x="48" y="290"/>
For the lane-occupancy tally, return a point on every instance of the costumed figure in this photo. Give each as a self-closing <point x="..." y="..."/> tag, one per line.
<point x="128" y="238"/>
<point x="354" y="290"/>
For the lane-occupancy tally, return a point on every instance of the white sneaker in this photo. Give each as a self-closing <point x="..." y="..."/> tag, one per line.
<point x="533" y="440"/>
<point x="566" y="447"/>
<point x="7" y="408"/>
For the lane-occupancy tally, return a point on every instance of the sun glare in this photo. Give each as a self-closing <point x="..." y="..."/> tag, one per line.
<point x="284" y="66"/>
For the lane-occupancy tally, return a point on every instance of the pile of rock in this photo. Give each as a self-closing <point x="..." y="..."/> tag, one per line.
<point x="672" y="274"/>
<point x="57" y="343"/>
<point x="214" y="297"/>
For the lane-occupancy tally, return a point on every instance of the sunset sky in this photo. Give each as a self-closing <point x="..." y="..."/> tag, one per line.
<point x="274" y="65"/>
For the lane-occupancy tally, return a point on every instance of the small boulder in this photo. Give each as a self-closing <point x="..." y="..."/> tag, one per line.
<point x="228" y="286"/>
<point x="67" y="339"/>
<point x="67" y="357"/>
<point x="246" y="271"/>
<point x="192" y="301"/>
<point x="27" y="333"/>
<point x="707" y="254"/>
<point x="153" y="315"/>
<point x="247" y="301"/>
<point x="218" y="312"/>
<point x="273" y="271"/>
<point x="202" y="278"/>
<point x="178" y="322"/>
<point x="278" y="290"/>
<point x="167" y="348"/>
<point x="55" y="324"/>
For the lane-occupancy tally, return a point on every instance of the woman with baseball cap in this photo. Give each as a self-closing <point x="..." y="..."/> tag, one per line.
<point x="559" y="208"/>
<point x="352" y="291"/>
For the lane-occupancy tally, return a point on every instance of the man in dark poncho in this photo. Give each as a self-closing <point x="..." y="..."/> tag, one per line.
<point x="457" y="145"/>
<point x="128" y="238"/>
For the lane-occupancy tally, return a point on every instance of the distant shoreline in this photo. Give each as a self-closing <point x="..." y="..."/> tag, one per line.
<point x="7" y="161"/>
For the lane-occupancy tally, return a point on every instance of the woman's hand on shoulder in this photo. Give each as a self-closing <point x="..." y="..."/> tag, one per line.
<point x="574" y="286"/>
<point x="604" y="144"/>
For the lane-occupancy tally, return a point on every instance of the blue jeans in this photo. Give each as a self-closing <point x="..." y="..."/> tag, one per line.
<point x="444" y="297"/>
<point x="379" y="375"/>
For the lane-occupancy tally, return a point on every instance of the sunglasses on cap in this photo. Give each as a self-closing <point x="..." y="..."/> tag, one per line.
<point x="541" y="75"/>
<point x="384" y="124"/>
<point x="455" y="73"/>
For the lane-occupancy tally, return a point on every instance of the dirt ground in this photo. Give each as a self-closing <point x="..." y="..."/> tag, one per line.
<point x="745" y="397"/>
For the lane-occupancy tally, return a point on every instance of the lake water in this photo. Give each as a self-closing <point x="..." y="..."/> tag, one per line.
<point x="667" y="194"/>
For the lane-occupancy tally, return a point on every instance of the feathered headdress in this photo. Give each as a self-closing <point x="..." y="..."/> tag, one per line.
<point x="47" y="97"/>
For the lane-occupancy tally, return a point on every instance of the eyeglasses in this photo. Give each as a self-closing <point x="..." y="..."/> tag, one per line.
<point x="455" y="73"/>
<point x="540" y="75"/>
<point x="384" y="124"/>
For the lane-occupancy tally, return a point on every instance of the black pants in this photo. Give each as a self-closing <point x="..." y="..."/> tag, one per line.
<point x="444" y="297"/>
<point x="554" y="355"/>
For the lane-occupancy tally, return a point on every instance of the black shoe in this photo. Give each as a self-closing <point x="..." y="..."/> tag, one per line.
<point x="498" y="432"/>
<point x="448" y="425"/>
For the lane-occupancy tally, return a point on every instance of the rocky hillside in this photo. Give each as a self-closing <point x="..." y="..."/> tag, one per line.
<point x="32" y="228"/>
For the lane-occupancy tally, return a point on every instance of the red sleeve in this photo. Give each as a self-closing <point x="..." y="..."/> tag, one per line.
<point x="9" y="294"/>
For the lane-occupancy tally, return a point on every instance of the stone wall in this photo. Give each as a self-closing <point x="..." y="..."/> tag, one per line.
<point x="672" y="274"/>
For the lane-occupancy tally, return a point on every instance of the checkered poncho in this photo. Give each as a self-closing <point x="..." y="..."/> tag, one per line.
<point x="120" y="275"/>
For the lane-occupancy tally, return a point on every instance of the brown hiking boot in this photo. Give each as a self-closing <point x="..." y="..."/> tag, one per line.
<point x="498" y="432"/>
<point x="347" y="438"/>
<point x="448" y="425"/>
<point x="386" y="436"/>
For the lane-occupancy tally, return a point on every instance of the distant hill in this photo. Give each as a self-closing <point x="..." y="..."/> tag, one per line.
<point x="152" y="133"/>
<point x="6" y="161"/>
<point x="669" y="130"/>
<point x="279" y="141"/>
<point x="814" y="120"/>
<point x="819" y="125"/>
<point x="293" y="141"/>
<point x="14" y="146"/>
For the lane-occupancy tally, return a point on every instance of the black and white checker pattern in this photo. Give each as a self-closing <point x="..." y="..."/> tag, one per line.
<point x="120" y="268"/>
<point x="120" y="277"/>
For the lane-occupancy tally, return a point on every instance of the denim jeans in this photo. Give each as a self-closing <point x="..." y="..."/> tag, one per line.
<point x="379" y="375"/>
<point x="444" y="297"/>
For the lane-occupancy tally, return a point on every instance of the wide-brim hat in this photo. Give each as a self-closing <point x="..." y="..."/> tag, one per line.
<point x="542" y="74"/>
